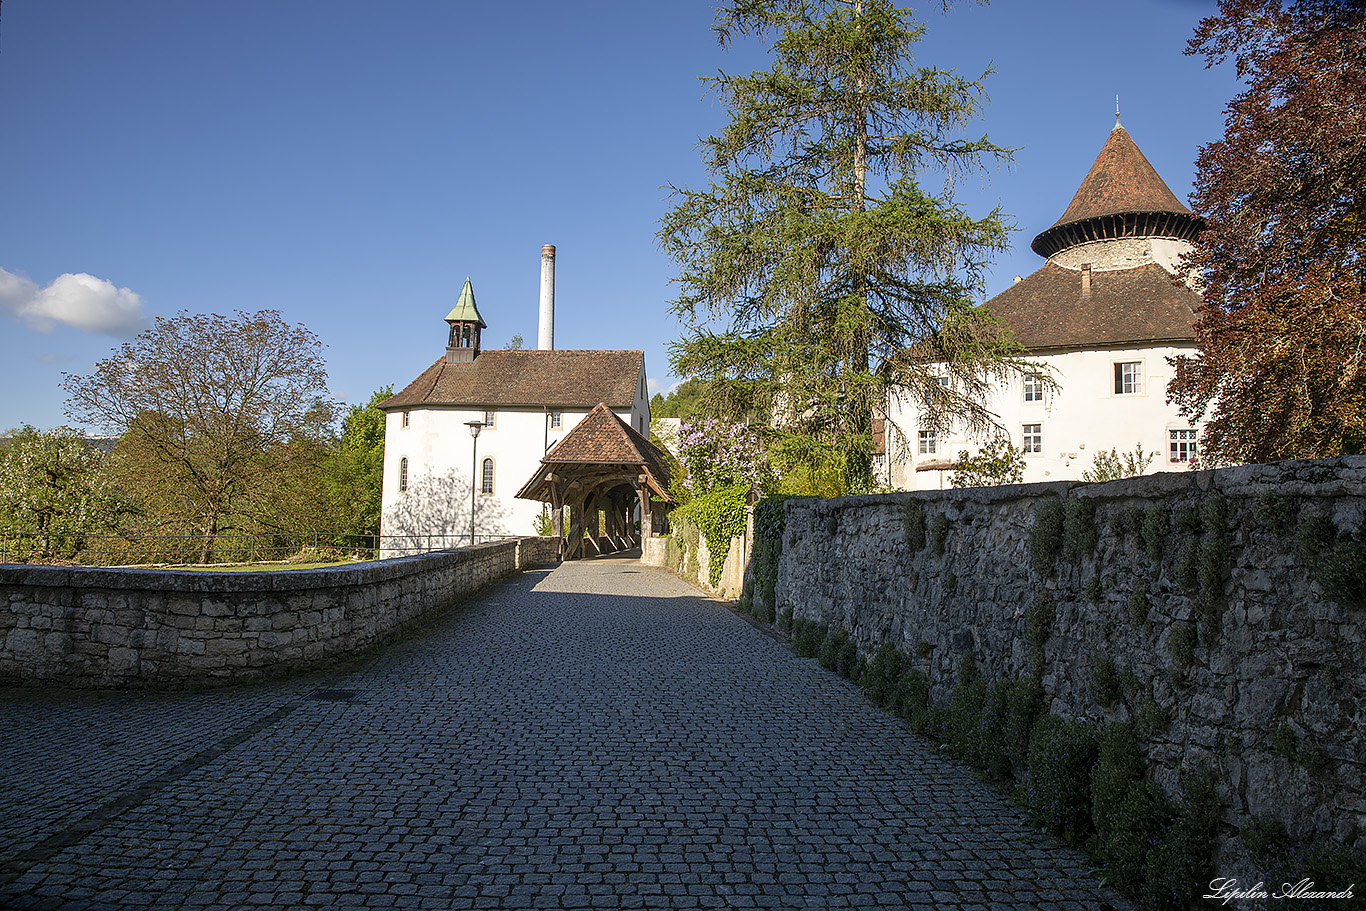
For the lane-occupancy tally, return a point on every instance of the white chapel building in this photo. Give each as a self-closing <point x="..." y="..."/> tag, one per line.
<point x="1103" y="313"/>
<point x="522" y="403"/>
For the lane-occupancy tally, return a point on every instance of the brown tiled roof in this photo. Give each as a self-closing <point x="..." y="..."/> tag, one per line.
<point x="570" y="379"/>
<point x="602" y="438"/>
<point x="1120" y="182"/>
<point x="1127" y="306"/>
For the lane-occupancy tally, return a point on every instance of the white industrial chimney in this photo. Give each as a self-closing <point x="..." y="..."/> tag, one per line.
<point x="545" y="338"/>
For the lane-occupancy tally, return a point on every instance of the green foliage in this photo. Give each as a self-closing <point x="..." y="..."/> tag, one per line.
<point x="1130" y="814"/>
<point x="1213" y="568"/>
<point x="685" y="401"/>
<point x="923" y="649"/>
<point x="1265" y="839"/>
<point x="1189" y="520"/>
<point x="815" y="245"/>
<point x="719" y="515"/>
<point x="847" y="661"/>
<point x="1182" y="643"/>
<point x="1045" y="537"/>
<point x="770" y="520"/>
<point x="808" y="637"/>
<point x="1138" y="604"/>
<point x="1331" y="866"/>
<point x="1188" y="566"/>
<point x="911" y="699"/>
<point x="1314" y="536"/>
<point x="913" y="525"/>
<point x="1057" y="790"/>
<point x="832" y="648"/>
<point x="1155" y="528"/>
<point x="1039" y="620"/>
<point x="1277" y="512"/>
<point x="56" y="487"/>
<point x="998" y="462"/>
<point x="1338" y="566"/>
<point x="962" y="730"/>
<point x="1152" y="719"/>
<point x="882" y="674"/>
<point x="939" y="533"/>
<point x="353" y="472"/>
<point x="1182" y="861"/>
<point x="1112" y="465"/>
<point x="784" y="623"/>
<point x="1079" y="527"/>
<point x="1284" y="741"/>
<point x="1104" y="681"/>
<point x="1094" y="590"/>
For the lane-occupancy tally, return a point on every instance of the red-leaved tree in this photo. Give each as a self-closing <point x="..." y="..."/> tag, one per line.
<point x="1282" y="332"/>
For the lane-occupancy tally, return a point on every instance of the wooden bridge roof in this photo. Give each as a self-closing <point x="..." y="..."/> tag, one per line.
<point x="599" y="449"/>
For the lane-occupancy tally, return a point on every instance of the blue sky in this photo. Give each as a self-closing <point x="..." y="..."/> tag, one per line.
<point x="349" y="164"/>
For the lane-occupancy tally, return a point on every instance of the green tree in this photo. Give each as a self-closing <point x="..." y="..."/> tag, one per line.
<point x="684" y="402"/>
<point x="998" y="462"/>
<point x="224" y="420"/>
<point x="55" y="486"/>
<point x="1113" y="465"/>
<point x="828" y="243"/>
<point x="1280" y="371"/>
<point x="354" y="472"/>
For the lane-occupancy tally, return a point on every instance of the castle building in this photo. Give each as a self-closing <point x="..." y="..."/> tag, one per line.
<point x="521" y="402"/>
<point x="1101" y="316"/>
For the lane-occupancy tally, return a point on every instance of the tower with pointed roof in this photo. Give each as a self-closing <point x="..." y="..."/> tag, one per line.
<point x="1101" y="316"/>
<point x="462" y="345"/>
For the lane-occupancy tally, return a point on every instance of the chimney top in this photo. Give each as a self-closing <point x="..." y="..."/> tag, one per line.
<point x="548" y="250"/>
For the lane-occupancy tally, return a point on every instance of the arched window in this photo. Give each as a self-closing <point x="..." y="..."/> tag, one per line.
<point x="486" y="481"/>
<point x="403" y="474"/>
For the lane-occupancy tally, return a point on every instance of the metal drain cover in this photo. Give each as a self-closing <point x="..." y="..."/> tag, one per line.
<point x="333" y="695"/>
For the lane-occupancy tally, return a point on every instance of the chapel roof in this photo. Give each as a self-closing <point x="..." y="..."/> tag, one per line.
<point x="1122" y="195"/>
<point x="465" y="310"/>
<point x="602" y="438"/>
<point x="568" y="379"/>
<point x="1126" y="306"/>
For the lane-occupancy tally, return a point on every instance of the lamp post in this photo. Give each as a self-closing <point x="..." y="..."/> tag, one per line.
<point x="475" y="427"/>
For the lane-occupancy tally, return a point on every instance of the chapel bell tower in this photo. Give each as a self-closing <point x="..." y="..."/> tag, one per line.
<point x="462" y="346"/>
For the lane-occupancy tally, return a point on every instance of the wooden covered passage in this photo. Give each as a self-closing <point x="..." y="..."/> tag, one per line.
<point x="602" y="464"/>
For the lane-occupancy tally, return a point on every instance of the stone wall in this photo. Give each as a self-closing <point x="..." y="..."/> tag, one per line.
<point x="79" y="626"/>
<point x="1196" y="597"/>
<point x="691" y="559"/>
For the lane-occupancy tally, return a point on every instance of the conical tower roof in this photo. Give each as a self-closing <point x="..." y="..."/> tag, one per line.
<point x="465" y="310"/>
<point x="1122" y="196"/>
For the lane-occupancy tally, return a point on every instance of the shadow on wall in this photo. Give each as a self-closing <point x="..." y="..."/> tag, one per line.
<point x="440" y="505"/>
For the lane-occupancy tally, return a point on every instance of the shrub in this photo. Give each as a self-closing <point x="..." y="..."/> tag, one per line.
<point x="1138" y="604"/>
<point x="1276" y="512"/>
<point x="939" y="533"/>
<point x="962" y="724"/>
<point x="1094" y="590"/>
<point x="1284" y="741"/>
<point x="1057" y="790"/>
<point x="1025" y="703"/>
<point x="829" y="656"/>
<point x="1214" y="556"/>
<point x="1155" y="527"/>
<point x="1113" y="465"/>
<point x="770" y="520"/>
<point x="1129" y="813"/>
<point x="995" y="752"/>
<point x="784" y="623"/>
<point x="923" y="649"/>
<point x="1187" y="568"/>
<point x="1188" y="520"/>
<point x="847" y="661"/>
<point x="1330" y="866"/>
<point x="1151" y="717"/>
<point x="913" y="525"/>
<point x="1104" y="681"/>
<point x="911" y="698"/>
<point x="1182" y="644"/>
<point x="1039" y="620"/>
<point x="1264" y="839"/>
<point x="808" y="636"/>
<point x="1314" y="536"/>
<point x="883" y="672"/>
<point x="1079" y="527"/>
<point x="1342" y="573"/>
<point x="1045" y="537"/>
<point x="1181" y="863"/>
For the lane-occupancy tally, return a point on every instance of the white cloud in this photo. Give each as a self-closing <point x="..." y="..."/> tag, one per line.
<point x="78" y="300"/>
<point x="654" y="385"/>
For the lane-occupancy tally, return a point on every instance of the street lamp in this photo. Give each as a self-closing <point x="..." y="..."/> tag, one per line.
<point x="475" y="427"/>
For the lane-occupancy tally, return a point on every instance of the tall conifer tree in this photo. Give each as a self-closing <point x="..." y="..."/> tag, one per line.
<point x="818" y="274"/>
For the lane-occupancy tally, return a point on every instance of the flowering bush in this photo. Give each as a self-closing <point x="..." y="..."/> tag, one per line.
<point x="717" y="454"/>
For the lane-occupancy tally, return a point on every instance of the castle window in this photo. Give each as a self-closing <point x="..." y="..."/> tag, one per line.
<point x="403" y="474"/>
<point x="1128" y="377"/>
<point x="486" y="477"/>
<point x="1033" y="388"/>
<point x="1181" y="445"/>
<point x="1031" y="438"/>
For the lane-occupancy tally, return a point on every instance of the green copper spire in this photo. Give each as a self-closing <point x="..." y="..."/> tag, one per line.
<point x="464" y="310"/>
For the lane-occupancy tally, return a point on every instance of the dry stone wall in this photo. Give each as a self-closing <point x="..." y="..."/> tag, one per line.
<point x="80" y="626"/>
<point x="1224" y="607"/>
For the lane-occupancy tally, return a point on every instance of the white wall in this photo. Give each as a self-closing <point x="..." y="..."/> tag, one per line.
<point x="1081" y="417"/>
<point x="437" y="444"/>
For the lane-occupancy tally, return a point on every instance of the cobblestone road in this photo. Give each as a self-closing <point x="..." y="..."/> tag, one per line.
<point x="599" y="736"/>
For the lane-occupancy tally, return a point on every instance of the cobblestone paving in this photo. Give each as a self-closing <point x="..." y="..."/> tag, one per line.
<point x="599" y="736"/>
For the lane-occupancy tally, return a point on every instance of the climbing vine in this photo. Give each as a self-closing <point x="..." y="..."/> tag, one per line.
<point x="719" y="515"/>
